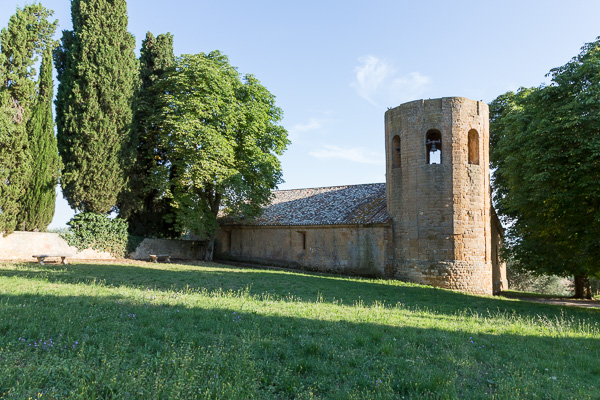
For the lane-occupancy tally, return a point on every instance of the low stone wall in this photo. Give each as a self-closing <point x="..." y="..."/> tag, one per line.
<point x="19" y="246"/>
<point x="177" y="249"/>
<point x="23" y="245"/>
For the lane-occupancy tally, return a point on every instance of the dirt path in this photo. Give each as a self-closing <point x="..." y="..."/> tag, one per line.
<point x="559" y="301"/>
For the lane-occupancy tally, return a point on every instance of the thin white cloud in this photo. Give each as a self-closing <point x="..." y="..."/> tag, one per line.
<point x="296" y="131"/>
<point x="311" y="125"/>
<point x="370" y="76"/>
<point x="376" y="82"/>
<point x="355" y="154"/>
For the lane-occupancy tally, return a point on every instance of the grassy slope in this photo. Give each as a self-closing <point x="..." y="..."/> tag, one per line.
<point x="179" y="331"/>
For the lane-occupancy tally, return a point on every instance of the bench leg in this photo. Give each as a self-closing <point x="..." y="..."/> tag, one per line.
<point x="63" y="260"/>
<point x="41" y="260"/>
<point x="168" y="259"/>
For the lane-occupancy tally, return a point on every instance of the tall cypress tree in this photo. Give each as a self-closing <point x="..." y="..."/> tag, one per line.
<point x="13" y="161"/>
<point x="38" y="203"/>
<point x="28" y="33"/>
<point x="98" y="74"/>
<point x="143" y="206"/>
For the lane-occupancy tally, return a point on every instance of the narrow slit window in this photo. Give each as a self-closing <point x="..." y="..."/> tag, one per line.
<point x="473" y="147"/>
<point x="302" y="239"/>
<point x="433" y="144"/>
<point x="396" y="151"/>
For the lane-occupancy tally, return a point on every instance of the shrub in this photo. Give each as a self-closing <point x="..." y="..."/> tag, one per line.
<point x="527" y="281"/>
<point x="98" y="232"/>
<point x="595" y="284"/>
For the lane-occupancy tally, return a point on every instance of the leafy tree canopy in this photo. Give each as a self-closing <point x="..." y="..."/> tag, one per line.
<point x="142" y="204"/>
<point x="546" y="152"/>
<point x="221" y="139"/>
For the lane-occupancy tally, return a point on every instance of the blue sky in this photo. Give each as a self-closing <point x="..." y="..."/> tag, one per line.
<point x="336" y="66"/>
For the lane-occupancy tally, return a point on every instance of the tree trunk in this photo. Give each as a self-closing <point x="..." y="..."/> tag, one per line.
<point x="583" y="290"/>
<point x="210" y="246"/>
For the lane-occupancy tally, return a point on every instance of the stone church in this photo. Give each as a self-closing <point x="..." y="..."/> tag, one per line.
<point x="431" y="222"/>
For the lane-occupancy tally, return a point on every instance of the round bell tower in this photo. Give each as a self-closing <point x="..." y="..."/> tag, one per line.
<point x="438" y="193"/>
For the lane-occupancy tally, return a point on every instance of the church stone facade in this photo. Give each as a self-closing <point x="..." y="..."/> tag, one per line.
<point x="431" y="222"/>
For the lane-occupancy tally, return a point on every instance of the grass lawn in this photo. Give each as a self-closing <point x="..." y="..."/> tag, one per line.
<point x="172" y="331"/>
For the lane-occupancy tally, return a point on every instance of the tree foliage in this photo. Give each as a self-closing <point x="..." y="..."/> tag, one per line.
<point x="98" y="75"/>
<point x="221" y="139"/>
<point x="40" y="196"/>
<point x="546" y="152"/>
<point x="28" y="34"/>
<point x="142" y="205"/>
<point x="13" y="163"/>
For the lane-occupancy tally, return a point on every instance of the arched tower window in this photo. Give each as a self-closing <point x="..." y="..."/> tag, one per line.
<point x="396" y="161"/>
<point x="433" y="144"/>
<point x="473" y="147"/>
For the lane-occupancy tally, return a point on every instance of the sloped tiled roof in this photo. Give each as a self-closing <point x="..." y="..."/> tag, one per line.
<point x="337" y="205"/>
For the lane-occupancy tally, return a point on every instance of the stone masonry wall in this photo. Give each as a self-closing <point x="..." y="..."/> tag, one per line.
<point x="351" y="250"/>
<point x="23" y="245"/>
<point x="454" y="275"/>
<point x="441" y="212"/>
<point x="472" y="221"/>
<point x="499" y="277"/>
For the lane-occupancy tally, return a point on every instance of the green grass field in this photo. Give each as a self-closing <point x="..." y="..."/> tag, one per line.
<point x="171" y="331"/>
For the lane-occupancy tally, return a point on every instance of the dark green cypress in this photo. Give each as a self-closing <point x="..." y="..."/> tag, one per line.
<point x="143" y="206"/>
<point x="98" y="74"/>
<point x="14" y="166"/>
<point x="28" y="33"/>
<point x="40" y="197"/>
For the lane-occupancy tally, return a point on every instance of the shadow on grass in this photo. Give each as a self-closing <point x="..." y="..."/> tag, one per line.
<point x="279" y="356"/>
<point x="284" y="285"/>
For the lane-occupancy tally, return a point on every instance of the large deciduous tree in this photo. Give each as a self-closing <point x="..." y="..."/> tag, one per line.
<point x="221" y="137"/>
<point x="29" y="32"/>
<point x="142" y="204"/>
<point x="40" y="196"/>
<point x="98" y="75"/>
<point x="546" y="152"/>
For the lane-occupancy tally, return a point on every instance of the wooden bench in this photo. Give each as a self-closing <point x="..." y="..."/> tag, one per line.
<point x="42" y="257"/>
<point x="157" y="257"/>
